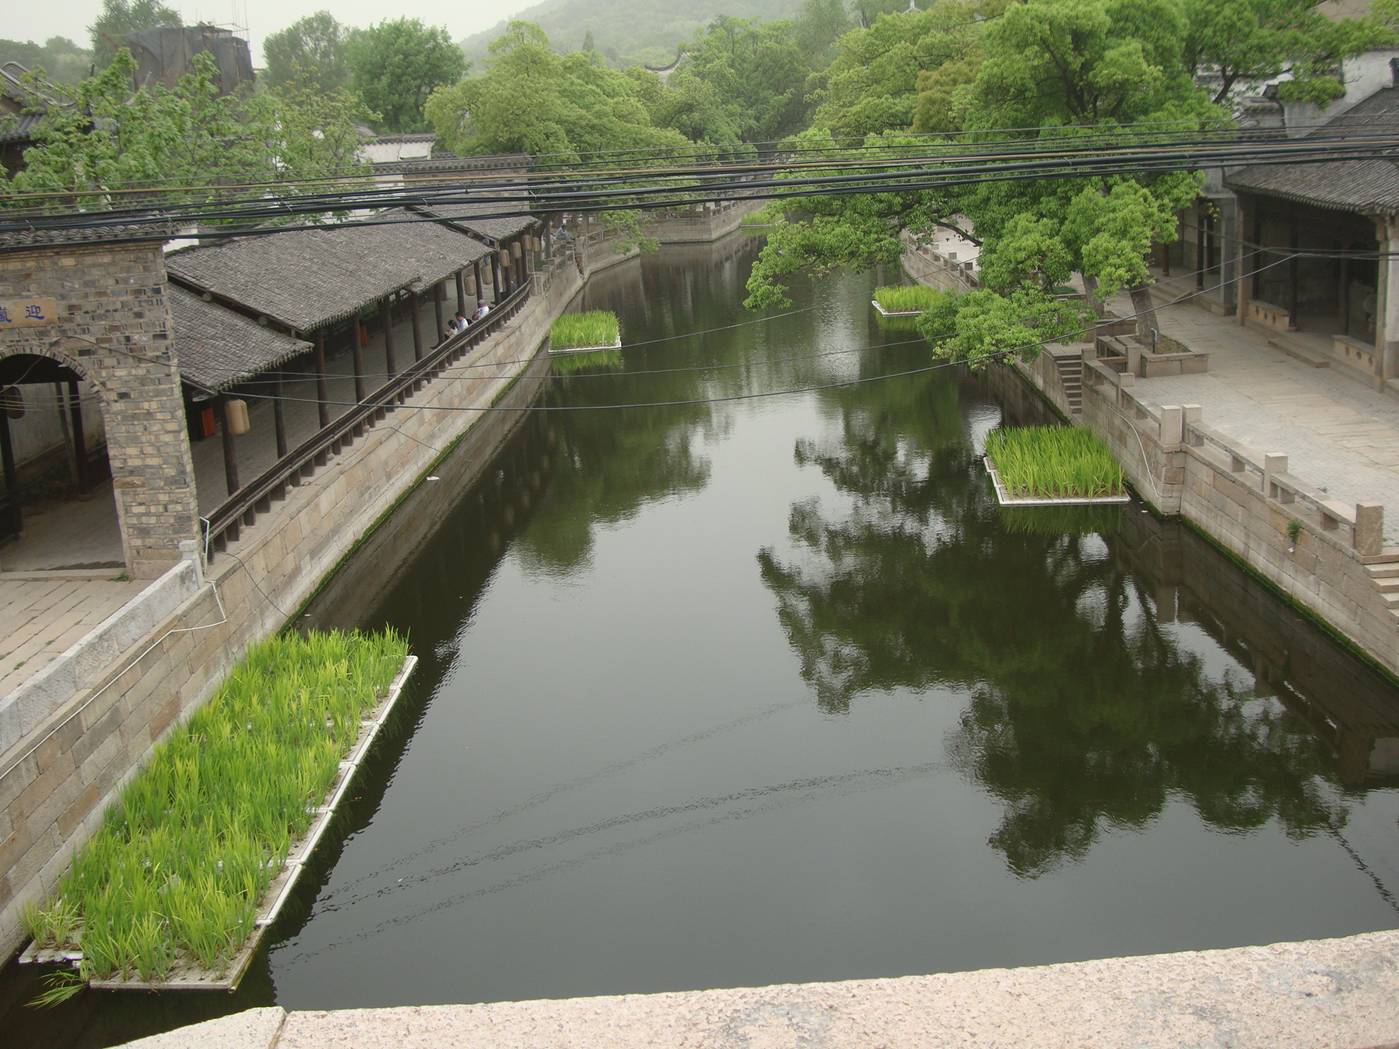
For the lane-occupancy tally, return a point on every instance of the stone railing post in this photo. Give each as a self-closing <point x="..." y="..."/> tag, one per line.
<point x="1369" y="529"/>
<point x="1274" y="463"/>
<point x="1172" y="425"/>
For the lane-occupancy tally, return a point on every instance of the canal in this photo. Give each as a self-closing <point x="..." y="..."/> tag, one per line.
<point x="742" y="689"/>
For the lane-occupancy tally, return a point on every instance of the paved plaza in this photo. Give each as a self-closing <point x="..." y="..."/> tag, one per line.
<point x="1339" y="433"/>
<point x="40" y="618"/>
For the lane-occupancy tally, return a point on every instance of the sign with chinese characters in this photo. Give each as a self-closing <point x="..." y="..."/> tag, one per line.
<point x="27" y="313"/>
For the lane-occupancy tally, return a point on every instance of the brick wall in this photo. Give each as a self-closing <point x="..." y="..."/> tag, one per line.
<point x="113" y="328"/>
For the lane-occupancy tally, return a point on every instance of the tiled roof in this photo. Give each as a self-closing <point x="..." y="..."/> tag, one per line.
<point x="218" y="348"/>
<point x="311" y="278"/>
<point x="468" y="217"/>
<point x="1368" y="186"/>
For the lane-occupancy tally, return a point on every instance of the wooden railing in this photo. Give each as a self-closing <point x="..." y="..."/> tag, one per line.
<point x="224" y="524"/>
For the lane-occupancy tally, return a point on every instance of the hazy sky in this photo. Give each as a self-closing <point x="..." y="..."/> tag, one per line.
<point x="70" y="18"/>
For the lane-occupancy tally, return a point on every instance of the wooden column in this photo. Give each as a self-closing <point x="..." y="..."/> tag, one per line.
<point x="279" y="419"/>
<point x="1345" y="295"/>
<point x="1257" y="259"/>
<point x="1292" y="267"/>
<point x="524" y="261"/>
<point x="461" y="296"/>
<point x="1199" y="247"/>
<point x="230" y="456"/>
<point x="415" y="305"/>
<point x="322" y="396"/>
<point x="357" y="356"/>
<point x="75" y="408"/>
<point x="495" y="275"/>
<point x="548" y="239"/>
<point x="437" y="311"/>
<point x="386" y="313"/>
<point x="480" y="287"/>
<point x="7" y="453"/>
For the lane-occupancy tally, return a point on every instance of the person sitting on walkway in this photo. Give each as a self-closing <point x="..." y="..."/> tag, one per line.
<point x="452" y="329"/>
<point x="481" y="310"/>
<point x="461" y="321"/>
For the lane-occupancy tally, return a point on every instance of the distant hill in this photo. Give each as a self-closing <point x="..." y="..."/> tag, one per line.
<point x="629" y="31"/>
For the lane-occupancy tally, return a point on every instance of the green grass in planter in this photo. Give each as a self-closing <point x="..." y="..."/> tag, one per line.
<point x="592" y="328"/>
<point x="899" y="298"/>
<point x="1053" y="462"/>
<point x="178" y="869"/>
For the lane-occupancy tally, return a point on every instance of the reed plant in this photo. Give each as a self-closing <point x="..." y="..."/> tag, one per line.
<point x="176" y="873"/>
<point x="591" y="328"/>
<point x="903" y="298"/>
<point x="1046" y="462"/>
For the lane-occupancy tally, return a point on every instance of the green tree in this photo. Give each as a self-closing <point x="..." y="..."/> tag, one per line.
<point x="395" y="65"/>
<point x="121" y="17"/>
<point x="192" y="136"/>
<point x="1244" y="42"/>
<point x="312" y="50"/>
<point x="745" y="75"/>
<point x="1058" y="67"/>
<point x="531" y="99"/>
<point x="872" y="86"/>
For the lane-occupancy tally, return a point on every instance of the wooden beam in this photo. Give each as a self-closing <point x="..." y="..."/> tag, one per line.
<point x="437" y="312"/>
<point x="279" y="422"/>
<point x="461" y="295"/>
<point x="386" y="315"/>
<point x="322" y="396"/>
<point x="357" y="356"/>
<point x="415" y="307"/>
<point x="495" y="275"/>
<point x="75" y="408"/>
<point x="1292" y="274"/>
<point x="230" y="455"/>
<point x="7" y="453"/>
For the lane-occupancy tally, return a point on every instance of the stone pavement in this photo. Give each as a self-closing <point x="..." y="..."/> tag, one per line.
<point x="1337" y="994"/>
<point x="1338" y="433"/>
<point x="41" y="617"/>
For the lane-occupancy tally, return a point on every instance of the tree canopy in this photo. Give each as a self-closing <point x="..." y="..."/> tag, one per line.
<point x="312" y="51"/>
<point x="532" y="99"/>
<point x="395" y="65"/>
<point x="189" y="135"/>
<point x="1061" y="70"/>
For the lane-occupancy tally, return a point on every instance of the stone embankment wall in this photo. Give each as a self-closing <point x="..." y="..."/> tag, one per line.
<point x="56" y="782"/>
<point x="1244" y="500"/>
<point x="701" y="223"/>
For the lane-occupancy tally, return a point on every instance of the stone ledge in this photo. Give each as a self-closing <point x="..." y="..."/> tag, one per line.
<point x="1338" y="994"/>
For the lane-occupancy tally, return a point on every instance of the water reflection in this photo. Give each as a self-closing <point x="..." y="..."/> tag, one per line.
<point x="1087" y="710"/>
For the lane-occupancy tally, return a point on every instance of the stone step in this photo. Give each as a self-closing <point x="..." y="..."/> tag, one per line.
<point x="1391" y="599"/>
<point x="1387" y="586"/>
<point x="1383" y="570"/>
<point x="1384" y="557"/>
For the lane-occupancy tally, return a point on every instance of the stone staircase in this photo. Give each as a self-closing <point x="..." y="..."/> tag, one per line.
<point x="1070" y="370"/>
<point x="1384" y="574"/>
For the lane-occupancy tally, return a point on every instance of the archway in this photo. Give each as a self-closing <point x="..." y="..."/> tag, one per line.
<point x="57" y="511"/>
<point x="101" y="312"/>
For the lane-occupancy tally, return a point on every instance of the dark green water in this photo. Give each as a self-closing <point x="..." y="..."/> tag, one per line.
<point x="769" y="690"/>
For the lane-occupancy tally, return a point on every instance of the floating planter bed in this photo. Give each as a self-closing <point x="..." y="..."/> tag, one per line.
<point x="903" y="300"/>
<point x="1052" y="466"/>
<point x="195" y="861"/>
<point x="594" y="331"/>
